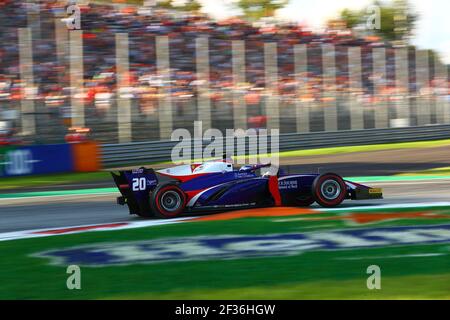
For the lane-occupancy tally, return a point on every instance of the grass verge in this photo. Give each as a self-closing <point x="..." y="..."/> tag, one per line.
<point x="444" y="171"/>
<point x="51" y="180"/>
<point x="422" y="287"/>
<point x="408" y="270"/>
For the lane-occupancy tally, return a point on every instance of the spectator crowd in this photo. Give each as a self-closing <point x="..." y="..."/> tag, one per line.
<point x="101" y="22"/>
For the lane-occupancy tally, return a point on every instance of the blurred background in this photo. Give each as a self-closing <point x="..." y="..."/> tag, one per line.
<point x="360" y="88"/>
<point x="148" y="68"/>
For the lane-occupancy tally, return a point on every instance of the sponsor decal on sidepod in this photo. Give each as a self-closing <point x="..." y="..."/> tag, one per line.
<point x="243" y="246"/>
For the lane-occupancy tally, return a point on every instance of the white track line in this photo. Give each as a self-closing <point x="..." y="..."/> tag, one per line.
<point x="38" y="233"/>
<point x="391" y="206"/>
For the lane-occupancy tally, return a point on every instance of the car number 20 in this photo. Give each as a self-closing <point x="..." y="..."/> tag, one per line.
<point x="139" y="184"/>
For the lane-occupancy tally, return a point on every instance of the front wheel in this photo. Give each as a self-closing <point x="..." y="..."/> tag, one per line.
<point x="329" y="190"/>
<point x="168" y="201"/>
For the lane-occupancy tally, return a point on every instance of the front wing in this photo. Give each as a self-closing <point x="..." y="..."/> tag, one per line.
<point x="362" y="192"/>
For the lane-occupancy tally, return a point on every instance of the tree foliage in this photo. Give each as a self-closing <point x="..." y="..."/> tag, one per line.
<point x="256" y="9"/>
<point x="351" y="17"/>
<point x="189" y="5"/>
<point x="397" y="19"/>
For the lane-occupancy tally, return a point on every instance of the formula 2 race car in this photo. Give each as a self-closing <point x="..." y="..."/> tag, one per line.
<point x="216" y="186"/>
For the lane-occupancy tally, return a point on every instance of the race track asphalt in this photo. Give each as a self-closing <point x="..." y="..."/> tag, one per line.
<point x="67" y="211"/>
<point x="76" y="210"/>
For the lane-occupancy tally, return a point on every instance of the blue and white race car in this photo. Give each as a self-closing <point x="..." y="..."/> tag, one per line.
<point x="216" y="186"/>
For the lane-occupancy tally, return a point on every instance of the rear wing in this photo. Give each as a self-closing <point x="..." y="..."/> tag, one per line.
<point x="135" y="186"/>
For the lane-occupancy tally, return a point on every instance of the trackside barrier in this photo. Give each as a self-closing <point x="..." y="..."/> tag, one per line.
<point x="138" y="153"/>
<point x="31" y="160"/>
<point x="49" y="159"/>
<point x="86" y="156"/>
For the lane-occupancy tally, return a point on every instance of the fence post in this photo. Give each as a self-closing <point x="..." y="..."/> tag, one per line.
<point x="204" y="101"/>
<point x="77" y="77"/>
<point x="329" y="88"/>
<point x="356" y="107"/>
<point x="34" y="19"/>
<point x="61" y="42"/>
<point x="301" y="73"/>
<point x="446" y="93"/>
<point x="164" y="101"/>
<point x="403" y="108"/>
<point x="379" y="78"/>
<point x="239" y="104"/>
<point x="123" y="85"/>
<point x="422" y="81"/>
<point x="440" y="85"/>
<point x="271" y="84"/>
<point x="28" y="122"/>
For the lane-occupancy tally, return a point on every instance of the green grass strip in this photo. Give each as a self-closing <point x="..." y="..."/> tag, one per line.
<point x="408" y="271"/>
<point x="443" y="171"/>
<point x="58" y="193"/>
<point x="53" y="179"/>
<point x="425" y="287"/>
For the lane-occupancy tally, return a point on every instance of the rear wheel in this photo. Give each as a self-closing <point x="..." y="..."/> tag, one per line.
<point x="168" y="200"/>
<point x="329" y="190"/>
